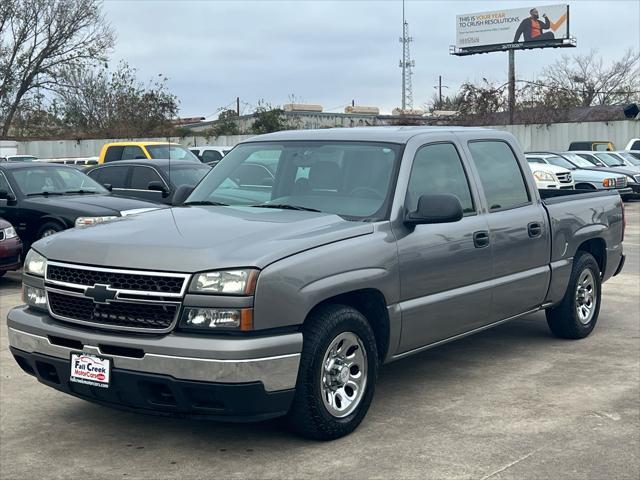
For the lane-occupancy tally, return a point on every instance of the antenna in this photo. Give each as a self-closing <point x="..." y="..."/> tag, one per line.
<point x="406" y="64"/>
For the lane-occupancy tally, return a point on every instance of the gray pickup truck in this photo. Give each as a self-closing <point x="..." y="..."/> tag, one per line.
<point x="303" y="262"/>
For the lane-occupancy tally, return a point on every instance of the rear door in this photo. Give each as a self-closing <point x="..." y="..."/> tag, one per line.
<point x="518" y="225"/>
<point x="444" y="268"/>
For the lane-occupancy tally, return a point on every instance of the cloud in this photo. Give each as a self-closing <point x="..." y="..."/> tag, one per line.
<point x="329" y="52"/>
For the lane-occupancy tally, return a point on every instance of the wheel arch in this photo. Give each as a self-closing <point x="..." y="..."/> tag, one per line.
<point x="598" y="248"/>
<point x="371" y="303"/>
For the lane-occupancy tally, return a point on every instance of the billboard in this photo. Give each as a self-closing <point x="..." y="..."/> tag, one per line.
<point x="515" y="28"/>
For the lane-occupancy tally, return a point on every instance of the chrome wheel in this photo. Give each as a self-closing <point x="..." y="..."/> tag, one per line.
<point x="586" y="296"/>
<point x="48" y="232"/>
<point x="343" y="377"/>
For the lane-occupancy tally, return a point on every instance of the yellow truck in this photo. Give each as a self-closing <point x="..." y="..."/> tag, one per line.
<point x="112" y="152"/>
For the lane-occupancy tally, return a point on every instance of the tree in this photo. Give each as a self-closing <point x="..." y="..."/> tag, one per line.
<point x="586" y="80"/>
<point x="268" y="119"/>
<point x="226" y="124"/>
<point x="40" y="38"/>
<point x="115" y="103"/>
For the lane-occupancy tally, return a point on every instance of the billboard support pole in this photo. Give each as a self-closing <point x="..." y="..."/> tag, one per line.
<point x="512" y="85"/>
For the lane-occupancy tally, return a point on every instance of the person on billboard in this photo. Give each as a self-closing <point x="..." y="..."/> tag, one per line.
<point x="531" y="27"/>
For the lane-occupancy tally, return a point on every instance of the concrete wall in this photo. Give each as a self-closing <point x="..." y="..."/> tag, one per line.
<point x="91" y="148"/>
<point x="555" y="136"/>
<point x="558" y="136"/>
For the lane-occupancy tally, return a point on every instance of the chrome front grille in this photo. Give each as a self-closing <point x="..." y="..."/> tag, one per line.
<point x="115" y="299"/>
<point x="1" y="235"/>
<point x="621" y="182"/>
<point x="564" y="177"/>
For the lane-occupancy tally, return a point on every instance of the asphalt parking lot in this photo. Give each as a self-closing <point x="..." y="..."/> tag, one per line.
<point x="512" y="402"/>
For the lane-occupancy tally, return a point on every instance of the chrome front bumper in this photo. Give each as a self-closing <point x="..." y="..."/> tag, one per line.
<point x="273" y="361"/>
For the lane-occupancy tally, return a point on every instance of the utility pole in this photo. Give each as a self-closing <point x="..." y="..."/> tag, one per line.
<point x="238" y="105"/>
<point x="406" y="64"/>
<point x="440" y="87"/>
<point x="512" y="85"/>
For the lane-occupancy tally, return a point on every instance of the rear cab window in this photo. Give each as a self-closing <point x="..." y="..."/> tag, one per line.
<point x="500" y="174"/>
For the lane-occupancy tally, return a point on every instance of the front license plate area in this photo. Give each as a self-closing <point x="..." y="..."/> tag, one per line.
<point x="90" y="370"/>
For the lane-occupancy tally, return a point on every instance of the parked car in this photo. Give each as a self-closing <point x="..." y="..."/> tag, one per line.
<point x="634" y="144"/>
<point x="592" y="145"/>
<point x="156" y="181"/>
<point x="112" y="152"/>
<point x="18" y="158"/>
<point x="585" y="175"/>
<point x="372" y="244"/>
<point x="10" y="248"/>
<point x="550" y="176"/>
<point x="609" y="162"/>
<point x="41" y="199"/>
<point x="210" y="154"/>
<point x="631" y="157"/>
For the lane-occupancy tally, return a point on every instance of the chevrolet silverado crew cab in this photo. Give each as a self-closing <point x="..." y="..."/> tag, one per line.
<point x="283" y="293"/>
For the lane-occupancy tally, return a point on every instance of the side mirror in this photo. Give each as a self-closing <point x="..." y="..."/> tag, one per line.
<point x="157" y="186"/>
<point x="182" y="193"/>
<point x="8" y="196"/>
<point x="108" y="186"/>
<point x="436" y="208"/>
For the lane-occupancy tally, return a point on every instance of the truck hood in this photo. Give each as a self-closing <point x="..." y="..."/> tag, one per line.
<point x="193" y="239"/>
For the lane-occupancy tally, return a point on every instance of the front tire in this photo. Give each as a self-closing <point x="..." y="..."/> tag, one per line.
<point x="337" y="374"/>
<point x="576" y="316"/>
<point x="49" y="228"/>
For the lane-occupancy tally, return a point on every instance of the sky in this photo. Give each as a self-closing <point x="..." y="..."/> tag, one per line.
<point x="332" y="52"/>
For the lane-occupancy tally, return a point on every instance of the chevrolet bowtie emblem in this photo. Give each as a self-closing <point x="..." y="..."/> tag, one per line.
<point x="100" y="293"/>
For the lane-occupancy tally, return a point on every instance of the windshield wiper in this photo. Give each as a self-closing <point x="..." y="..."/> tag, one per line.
<point x="206" y="202"/>
<point x="286" y="206"/>
<point x="46" y="194"/>
<point x="80" y="191"/>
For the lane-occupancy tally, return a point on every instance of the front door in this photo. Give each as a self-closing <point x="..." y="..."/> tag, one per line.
<point x="443" y="267"/>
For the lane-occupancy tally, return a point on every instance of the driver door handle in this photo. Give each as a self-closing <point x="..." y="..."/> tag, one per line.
<point x="481" y="239"/>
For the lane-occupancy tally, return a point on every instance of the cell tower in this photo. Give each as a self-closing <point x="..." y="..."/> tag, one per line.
<point x="406" y="64"/>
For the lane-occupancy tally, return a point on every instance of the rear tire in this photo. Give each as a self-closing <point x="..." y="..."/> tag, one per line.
<point x="337" y="374"/>
<point x="576" y="316"/>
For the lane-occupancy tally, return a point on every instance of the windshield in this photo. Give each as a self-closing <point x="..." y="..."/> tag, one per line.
<point x="186" y="174"/>
<point x="609" y="159"/>
<point x="171" y="152"/>
<point x="54" y="180"/>
<point x="561" y="162"/>
<point x="351" y="179"/>
<point x="629" y="158"/>
<point x="577" y="160"/>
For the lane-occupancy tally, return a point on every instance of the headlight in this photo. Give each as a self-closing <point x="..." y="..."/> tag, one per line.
<point x="544" y="176"/>
<point x="230" y="282"/>
<point x="34" y="297"/>
<point x="208" y="319"/>
<point x="609" y="182"/>
<point x="630" y="179"/>
<point x="84" y="221"/>
<point x="9" y="232"/>
<point x="35" y="264"/>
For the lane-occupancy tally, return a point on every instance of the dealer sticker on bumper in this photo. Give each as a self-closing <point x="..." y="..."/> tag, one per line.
<point x="90" y="370"/>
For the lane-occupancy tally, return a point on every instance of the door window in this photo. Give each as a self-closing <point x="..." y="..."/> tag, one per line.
<point x="500" y="174"/>
<point x="142" y="176"/>
<point x="114" y="176"/>
<point x="437" y="168"/>
<point x="211" y="156"/>
<point x="113" y="154"/>
<point x="133" y="153"/>
<point x="4" y="185"/>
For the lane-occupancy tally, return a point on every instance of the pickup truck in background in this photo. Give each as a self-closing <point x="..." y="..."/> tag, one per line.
<point x="285" y="296"/>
